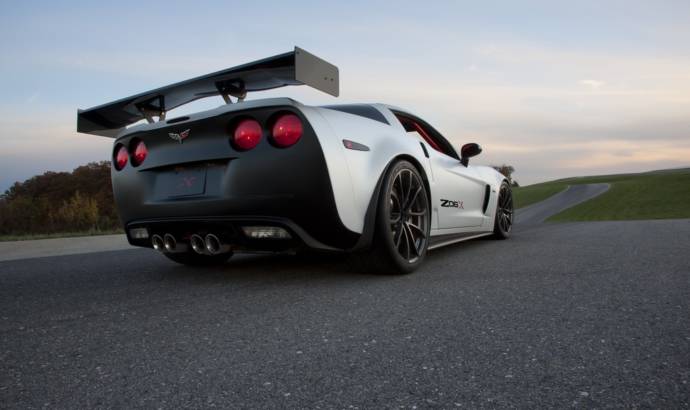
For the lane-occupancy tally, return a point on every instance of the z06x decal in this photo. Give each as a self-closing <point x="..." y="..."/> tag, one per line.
<point x="447" y="203"/>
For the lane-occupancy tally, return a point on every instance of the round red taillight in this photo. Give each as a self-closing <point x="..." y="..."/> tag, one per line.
<point x="139" y="153"/>
<point x="247" y="134"/>
<point x="120" y="157"/>
<point x="287" y="130"/>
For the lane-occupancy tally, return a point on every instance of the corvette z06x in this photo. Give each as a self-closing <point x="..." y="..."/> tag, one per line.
<point x="280" y="176"/>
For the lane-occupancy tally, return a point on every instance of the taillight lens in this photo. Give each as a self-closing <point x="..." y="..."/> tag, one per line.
<point x="120" y="157"/>
<point x="139" y="153"/>
<point x="247" y="134"/>
<point x="287" y="130"/>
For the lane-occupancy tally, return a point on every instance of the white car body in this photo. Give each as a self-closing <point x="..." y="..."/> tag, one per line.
<point x="354" y="184"/>
<point x="176" y="180"/>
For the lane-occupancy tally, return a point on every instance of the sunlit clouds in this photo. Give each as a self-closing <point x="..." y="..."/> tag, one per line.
<point x="593" y="84"/>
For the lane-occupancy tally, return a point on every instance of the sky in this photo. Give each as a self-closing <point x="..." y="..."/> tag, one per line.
<point x="554" y="89"/>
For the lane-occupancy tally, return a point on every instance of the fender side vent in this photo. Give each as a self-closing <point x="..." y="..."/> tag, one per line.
<point x="426" y="153"/>
<point x="487" y="192"/>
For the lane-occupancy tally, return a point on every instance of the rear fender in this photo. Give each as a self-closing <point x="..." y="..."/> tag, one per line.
<point x="363" y="168"/>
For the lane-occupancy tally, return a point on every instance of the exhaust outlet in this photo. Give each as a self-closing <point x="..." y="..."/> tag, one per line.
<point x="198" y="244"/>
<point x="171" y="244"/>
<point x="215" y="246"/>
<point x="158" y="243"/>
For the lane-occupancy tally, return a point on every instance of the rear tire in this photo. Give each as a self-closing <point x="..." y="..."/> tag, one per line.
<point x="403" y="222"/>
<point x="195" y="259"/>
<point x="503" y="221"/>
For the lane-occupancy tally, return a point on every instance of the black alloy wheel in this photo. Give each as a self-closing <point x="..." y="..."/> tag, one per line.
<point x="403" y="222"/>
<point x="408" y="215"/>
<point x="504" y="212"/>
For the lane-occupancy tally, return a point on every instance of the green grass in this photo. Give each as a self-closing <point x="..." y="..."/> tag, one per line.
<point x="30" y="237"/>
<point x="525" y="196"/>
<point x="651" y="195"/>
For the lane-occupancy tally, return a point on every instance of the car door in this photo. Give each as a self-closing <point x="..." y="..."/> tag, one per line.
<point x="457" y="191"/>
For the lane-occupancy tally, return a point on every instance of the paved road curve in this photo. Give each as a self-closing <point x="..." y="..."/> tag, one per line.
<point x="571" y="196"/>
<point x="13" y="250"/>
<point x="560" y="315"/>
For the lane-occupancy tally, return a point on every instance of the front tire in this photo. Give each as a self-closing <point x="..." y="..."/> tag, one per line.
<point x="503" y="221"/>
<point x="403" y="222"/>
<point x="195" y="259"/>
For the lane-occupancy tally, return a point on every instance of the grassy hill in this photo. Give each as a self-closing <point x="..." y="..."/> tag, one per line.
<point x="649" y="195"/>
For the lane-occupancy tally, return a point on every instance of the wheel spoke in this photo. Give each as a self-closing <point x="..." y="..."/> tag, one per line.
<point x="411" y="247"/>
<point x="397" y="235"/>
<point x="406" y="241"/>
<point x="414" y="228"/>
<point x="414" y="238"/>
<point x="409" y="187"/>
<point x="413" y="198"/>
<point x="398" y="182"/>
<point x="395" y="198"/>
<point x="404" y="189"/>
<point x="396" y="209"/>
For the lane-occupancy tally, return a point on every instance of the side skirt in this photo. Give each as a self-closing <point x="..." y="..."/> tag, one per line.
<point x="443" y="240"/>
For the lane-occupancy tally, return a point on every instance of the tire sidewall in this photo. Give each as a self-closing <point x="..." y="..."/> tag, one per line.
<point x="384" y="234"/>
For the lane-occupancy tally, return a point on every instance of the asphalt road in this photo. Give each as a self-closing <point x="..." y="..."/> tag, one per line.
<point x="561" y="315"/>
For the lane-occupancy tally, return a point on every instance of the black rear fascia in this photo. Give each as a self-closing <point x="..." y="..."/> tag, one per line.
<point x="291" y="184"/>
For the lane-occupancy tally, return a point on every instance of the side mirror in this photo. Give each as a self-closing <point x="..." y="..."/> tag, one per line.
<point x="468" y="151"/>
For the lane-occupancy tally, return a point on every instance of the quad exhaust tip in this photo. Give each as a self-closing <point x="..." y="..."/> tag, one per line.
<point x="209" y="245"/>
<point x="215" y="246"/>
<point x="158" y="243"/>
<point x="171" y="244"/>
<point x="198" y="244"/>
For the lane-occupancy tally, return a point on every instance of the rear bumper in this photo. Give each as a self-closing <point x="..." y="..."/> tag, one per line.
<point x="229" y="229"/>
<point x="287" y="187"/>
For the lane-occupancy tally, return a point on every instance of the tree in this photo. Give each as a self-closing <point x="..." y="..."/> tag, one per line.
<point x="60" y="202"/>
<point x="79" y="213"/>
<point x="506" y="170"/>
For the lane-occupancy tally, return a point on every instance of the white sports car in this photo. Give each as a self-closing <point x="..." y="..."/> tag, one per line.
<point x="276" y="175"/>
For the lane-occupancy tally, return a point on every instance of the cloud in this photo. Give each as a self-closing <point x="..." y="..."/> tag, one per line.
<point x="32" y="146"/>
<point x="593" y="84"/>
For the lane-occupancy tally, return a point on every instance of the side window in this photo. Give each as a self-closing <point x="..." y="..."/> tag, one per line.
<point x="423" y="134"/>
<point x="416" y="134"/>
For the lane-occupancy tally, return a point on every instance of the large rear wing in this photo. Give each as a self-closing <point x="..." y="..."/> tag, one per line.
<point x="297" y="67"/>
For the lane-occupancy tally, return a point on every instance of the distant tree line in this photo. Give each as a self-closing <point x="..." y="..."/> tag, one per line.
<point x="507" y="171"/>
<point x="55" y="202"/>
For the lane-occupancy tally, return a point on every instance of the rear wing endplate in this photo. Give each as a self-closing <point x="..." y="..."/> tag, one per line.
<point x="297" y="67"/>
